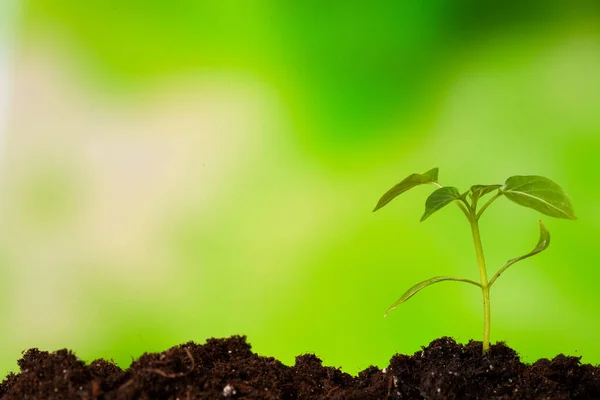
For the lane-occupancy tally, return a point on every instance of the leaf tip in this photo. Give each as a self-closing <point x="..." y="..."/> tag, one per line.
<point x="389" y="310"/>
<point x="434" y="173"/>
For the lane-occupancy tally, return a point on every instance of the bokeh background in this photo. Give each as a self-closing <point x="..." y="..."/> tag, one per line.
<point x="179" y="170"/>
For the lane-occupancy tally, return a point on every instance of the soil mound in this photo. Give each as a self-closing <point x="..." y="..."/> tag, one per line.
<point x="227" y="368"/>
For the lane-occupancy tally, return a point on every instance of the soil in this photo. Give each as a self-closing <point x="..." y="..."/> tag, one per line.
<point x="227" y="368"/>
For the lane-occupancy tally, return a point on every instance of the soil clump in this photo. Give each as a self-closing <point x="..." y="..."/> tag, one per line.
<point x="228" y="369"/>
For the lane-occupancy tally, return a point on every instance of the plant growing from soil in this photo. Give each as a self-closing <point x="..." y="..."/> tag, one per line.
<point x="531" y="191"/>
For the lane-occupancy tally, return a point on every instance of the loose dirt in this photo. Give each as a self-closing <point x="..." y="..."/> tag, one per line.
<point x="227" y="368"/>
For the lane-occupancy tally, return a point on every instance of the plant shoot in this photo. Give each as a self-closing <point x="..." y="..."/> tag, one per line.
<point x="531" y="191"/>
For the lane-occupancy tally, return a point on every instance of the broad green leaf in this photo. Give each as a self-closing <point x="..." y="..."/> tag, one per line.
<point x="539" y="193"/>
<point x="440" y="198"/>
<point x="479" y="191"/>
<point x="421" y="285"/>
<point x="542" y="245"/>
<point x="408" y="183"/>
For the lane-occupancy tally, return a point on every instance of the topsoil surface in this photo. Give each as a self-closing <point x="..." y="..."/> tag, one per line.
<point x="227" y="368"/>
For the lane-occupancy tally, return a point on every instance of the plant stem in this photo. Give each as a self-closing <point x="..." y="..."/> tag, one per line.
<point x="485" y="289"/>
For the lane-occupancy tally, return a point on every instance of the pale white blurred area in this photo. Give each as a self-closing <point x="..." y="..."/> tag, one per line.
<point x="102" y="188"/>
<point x="8" y="25"/>
<point x="90" y="181"/>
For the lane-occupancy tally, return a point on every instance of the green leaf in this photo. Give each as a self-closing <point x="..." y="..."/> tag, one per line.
<point x="408" y="183"/>
<point x="479" y="191"/>
<point x="421" y="285"/>
<point x="539" y="193"/>
<point x="466" y="195"/>
<point x="440" y="198"/>
<point x="542" y="245"/>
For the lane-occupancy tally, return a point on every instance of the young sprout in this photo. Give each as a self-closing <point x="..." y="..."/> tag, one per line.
<point x="531" y="191"/>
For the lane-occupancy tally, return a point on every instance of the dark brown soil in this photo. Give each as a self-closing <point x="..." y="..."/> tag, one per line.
<point x="226" y="368"/>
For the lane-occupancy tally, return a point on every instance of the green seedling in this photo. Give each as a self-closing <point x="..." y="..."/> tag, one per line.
<point x="531" y="191"/>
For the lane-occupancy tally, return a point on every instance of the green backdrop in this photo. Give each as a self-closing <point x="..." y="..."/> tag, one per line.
<point x="347" y="98"/>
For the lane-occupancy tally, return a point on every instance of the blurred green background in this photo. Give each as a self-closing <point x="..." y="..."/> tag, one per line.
<point x="179" y="170"/>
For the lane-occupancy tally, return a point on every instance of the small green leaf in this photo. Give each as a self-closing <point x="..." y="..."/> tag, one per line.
<point x="542" y="245"/>
<point x="440" y="198"/>
<point x="481" y="190"/>
<point x="408" y="183"/>
<point x="539" y="193"/>
<point x="421" y="285"/>
<point x="466" y="195"/>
